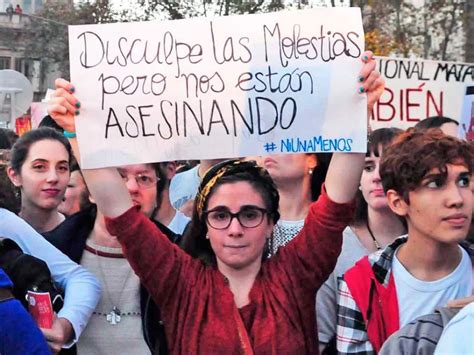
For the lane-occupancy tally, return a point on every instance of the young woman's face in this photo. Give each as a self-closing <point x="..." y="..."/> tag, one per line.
<point x="371" y="184"/>
<point x="238" y="246"/>
<point x="44" y="175"/>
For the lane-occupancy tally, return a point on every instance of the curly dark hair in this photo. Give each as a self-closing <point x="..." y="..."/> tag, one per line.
<point x="414" y="153"/>
<point x="194" y="240"/>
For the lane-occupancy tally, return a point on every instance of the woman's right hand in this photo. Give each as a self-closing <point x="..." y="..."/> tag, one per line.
<point x="64" y="106"/>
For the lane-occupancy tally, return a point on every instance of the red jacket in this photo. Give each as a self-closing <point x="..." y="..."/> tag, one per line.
<point x="377" y="303"/>
<point x="198" y="306"/>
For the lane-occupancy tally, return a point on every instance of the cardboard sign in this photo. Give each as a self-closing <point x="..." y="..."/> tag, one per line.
<point x="219" y="88"/>
<point x="417" y="89"/>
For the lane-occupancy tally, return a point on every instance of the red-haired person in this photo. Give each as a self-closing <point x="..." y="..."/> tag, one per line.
<point x="426" y="176"/>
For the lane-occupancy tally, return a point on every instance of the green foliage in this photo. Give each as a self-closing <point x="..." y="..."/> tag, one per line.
<point x="394" y="27"/>
<point x="46" y="34"/>
<point x="432" y="30"/>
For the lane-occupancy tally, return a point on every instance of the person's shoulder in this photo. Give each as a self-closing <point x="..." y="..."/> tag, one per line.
<point x="75" y="223"/>
<point x="457" y="335"/>
<point x="420" y="335"/>
<point x="466" y="313"/>
<point x="172" y="236"/>
<point x="188" y="174"/>
<point x="352" y="251"/>
<point x="4" y="213"/>
<point x="181" y="220"/>
<point x="11" y="222"/>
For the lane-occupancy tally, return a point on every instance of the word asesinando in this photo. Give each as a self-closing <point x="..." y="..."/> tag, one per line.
<point x="166" y="119"/>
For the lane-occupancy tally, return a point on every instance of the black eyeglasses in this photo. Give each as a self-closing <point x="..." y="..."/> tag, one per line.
<point x="248" y="217"/>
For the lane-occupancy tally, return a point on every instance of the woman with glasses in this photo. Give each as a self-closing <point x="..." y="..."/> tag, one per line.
<point x="39" y="167"/>
<point x="227" y="299"/>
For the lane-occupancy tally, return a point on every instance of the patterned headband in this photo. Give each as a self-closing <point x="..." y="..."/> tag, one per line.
<point x="228" y="166"/>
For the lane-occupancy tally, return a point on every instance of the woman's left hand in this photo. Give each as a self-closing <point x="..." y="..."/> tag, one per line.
<point x="371" y="81"/>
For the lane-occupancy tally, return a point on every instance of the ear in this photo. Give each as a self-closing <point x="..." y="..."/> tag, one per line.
<point x="15" y="177"/>
<point x="311" y="161"/>
<point x="396" y="203"/>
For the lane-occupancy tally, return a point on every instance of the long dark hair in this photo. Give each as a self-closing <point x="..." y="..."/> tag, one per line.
<point x="379" y="140"/>
<point x="319" y="174"/>
<point x="194" y="240"/>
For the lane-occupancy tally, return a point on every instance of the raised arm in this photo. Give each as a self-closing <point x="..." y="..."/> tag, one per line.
<point x="313" y="253"/>
<point x="345" y="169"/>
<point x="145" y="247"/>
<point x="106" y="185"/>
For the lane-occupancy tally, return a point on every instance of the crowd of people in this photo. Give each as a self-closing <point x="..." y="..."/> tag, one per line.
<point x="312" y="253"/>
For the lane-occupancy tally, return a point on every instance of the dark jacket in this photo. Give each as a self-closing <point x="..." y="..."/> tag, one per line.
<point x="70" y="237"/>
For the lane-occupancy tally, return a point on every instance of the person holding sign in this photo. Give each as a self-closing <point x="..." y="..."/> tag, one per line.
<point x="230" y="299"/>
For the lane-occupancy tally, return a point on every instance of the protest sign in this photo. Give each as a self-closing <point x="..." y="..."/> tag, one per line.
<point x="417" y="89"/>
<point x="219" y="88"/>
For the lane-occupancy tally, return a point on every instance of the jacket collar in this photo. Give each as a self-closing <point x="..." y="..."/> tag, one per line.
<point x="381" y="261"/>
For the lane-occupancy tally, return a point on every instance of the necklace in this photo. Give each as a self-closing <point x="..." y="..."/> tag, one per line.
<point x="115" y="315"/>
<point x="377" y="245"/>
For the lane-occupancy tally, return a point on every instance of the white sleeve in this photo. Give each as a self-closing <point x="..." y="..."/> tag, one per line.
<point x="458" y="334"/>
<point x="82" y="289"/>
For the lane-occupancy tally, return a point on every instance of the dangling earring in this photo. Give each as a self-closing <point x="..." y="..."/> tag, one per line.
<point x="310" y="171"/>
<point x="207" y="237"/>
<point x="360" y="188"/>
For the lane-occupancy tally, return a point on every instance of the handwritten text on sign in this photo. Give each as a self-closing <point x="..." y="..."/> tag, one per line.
<point x="220" y="88"/>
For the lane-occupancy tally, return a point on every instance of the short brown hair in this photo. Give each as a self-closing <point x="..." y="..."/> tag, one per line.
<point x="414" y="153"/>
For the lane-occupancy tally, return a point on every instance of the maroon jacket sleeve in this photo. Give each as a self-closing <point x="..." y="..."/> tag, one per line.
<point x="162" y="266"/>
<point x="311" y="256"/>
